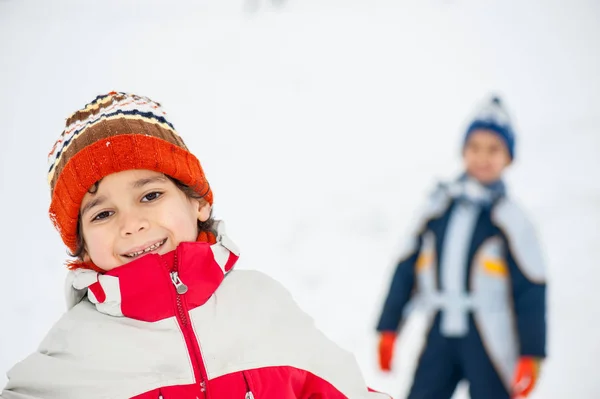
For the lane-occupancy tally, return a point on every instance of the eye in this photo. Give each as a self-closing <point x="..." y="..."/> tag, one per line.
<point x="151" y="196"/>
<point x="102" y="215"/>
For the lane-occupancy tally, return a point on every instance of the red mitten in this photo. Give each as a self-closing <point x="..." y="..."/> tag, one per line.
<point x="526" y="375"/>
<point x="387" y="340"/>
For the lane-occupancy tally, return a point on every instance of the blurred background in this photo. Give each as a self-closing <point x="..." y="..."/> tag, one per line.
<point x="321" y="125"/>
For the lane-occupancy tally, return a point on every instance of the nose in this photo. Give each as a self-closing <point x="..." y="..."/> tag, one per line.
<point x="133" y="222"/>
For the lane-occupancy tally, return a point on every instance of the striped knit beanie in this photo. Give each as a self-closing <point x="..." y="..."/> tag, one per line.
<point x="113" y="133"/>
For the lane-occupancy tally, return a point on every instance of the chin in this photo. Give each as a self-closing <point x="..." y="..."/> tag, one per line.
<point x="165" y="249"/>
<point x="487" y="179"/>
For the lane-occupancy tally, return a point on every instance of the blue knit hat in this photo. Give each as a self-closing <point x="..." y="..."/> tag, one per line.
<point x="492" y="116"/>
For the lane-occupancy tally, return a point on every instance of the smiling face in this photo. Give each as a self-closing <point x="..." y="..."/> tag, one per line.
<point x="134" y="213"/>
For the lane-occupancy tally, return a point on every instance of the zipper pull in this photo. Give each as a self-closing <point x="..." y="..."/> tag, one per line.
<point x="179" y="286"/>
<point x="203" y="386"/>
<point x="249" y="394"/>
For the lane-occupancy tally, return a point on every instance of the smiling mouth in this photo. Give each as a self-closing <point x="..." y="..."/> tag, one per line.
<point x="150" y="248"/>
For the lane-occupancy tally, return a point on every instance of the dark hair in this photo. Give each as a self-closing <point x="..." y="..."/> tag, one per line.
<point x="206" y="226"/>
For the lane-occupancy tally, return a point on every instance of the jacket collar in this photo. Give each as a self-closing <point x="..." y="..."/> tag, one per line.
<point x="468" y="189"/>
<point x="150" y="288"/>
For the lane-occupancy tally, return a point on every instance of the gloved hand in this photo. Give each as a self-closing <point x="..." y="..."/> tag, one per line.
<point x="387" y="340"/>
<point x="526" y="376"/>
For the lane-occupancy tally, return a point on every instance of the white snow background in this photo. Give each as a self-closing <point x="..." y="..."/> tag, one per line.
<point x="321" y="125"/>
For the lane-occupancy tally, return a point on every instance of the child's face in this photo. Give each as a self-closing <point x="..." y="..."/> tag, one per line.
<point x="485" y="156"/>
<point x="136" y="212"/>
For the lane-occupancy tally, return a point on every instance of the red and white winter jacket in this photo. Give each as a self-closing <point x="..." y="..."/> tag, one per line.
<point x="185" y="326"/>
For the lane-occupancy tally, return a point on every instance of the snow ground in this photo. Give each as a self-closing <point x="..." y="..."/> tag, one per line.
<point x="321" y="125"/>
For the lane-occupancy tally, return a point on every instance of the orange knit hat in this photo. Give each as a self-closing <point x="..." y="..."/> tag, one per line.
<point x="113" y="133"/>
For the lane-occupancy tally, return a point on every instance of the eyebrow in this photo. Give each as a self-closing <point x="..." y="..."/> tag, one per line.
<point x="142" y="182"/>
<point x="95" y="202"/>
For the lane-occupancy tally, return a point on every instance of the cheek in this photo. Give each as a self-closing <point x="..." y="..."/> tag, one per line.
<point x="96" y="242"/>
<point x="184" y="224"/>
<point x="469" y="158"/>
<point x="100" y="249"/>
<point x="499" y="162"/>
<point x="474" y="161"/>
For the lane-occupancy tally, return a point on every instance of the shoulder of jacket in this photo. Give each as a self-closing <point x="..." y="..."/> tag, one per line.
<point x="522" y="238"/>
<point x="78" y="323"/>
<point x="510" y="215"/>
<point x="254" y="286"/>
<point x="436" y="203"/>
<point x="252" y="279"/>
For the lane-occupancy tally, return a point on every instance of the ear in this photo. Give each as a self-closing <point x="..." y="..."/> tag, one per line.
<point x="204" y="209"/>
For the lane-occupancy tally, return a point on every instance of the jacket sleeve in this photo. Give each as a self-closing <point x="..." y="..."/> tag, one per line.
<point x="22" y="381"/>
<point x="400" y="291"/>
<point x="529" y="298"/>
<point x="403" y="281"/>
<point x="528" y="278"/>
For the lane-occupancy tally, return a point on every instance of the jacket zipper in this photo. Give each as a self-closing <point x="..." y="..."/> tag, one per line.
<point x="191" y="340"/>
<point x="249" y="394"/>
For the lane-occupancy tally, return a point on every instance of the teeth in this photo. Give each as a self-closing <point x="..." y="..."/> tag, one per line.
<point x="143" y="251"/>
